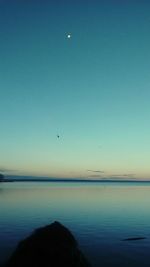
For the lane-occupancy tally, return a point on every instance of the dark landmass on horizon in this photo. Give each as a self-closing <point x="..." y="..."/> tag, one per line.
<point x="12" y="178"/>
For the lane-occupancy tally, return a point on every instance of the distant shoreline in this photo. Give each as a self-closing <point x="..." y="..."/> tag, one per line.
<point x="72" y="180"/>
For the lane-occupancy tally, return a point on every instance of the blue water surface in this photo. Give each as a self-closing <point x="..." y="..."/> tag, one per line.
<point x="100" y="215"/>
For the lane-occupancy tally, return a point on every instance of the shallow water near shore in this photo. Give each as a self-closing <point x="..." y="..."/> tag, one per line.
<point x="100" y="215"/>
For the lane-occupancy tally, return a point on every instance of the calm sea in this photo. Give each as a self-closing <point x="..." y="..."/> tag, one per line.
<point x="100" y="215"/>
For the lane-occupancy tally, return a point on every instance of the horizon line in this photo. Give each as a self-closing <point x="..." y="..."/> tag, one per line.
<point x="32" y="178"/>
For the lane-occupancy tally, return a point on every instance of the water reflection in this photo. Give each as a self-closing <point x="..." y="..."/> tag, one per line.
<point x="100" y="216"/>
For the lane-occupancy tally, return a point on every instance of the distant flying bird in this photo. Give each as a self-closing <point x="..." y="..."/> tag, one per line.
<point x="58" y="136"/>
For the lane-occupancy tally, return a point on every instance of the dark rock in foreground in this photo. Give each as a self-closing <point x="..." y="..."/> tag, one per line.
<point x="52" y="246"/>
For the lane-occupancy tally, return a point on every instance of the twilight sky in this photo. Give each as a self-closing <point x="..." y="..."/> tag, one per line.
<point x="92" y="89"/>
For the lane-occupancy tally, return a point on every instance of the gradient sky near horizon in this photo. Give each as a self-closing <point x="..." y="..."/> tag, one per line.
<point x="92" y="89"/>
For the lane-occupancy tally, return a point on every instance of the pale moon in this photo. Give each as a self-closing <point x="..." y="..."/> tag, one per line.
<point x="69" y="36"/>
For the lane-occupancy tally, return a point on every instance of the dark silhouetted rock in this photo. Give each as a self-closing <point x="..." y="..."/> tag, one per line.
<point x="50" y="246"/>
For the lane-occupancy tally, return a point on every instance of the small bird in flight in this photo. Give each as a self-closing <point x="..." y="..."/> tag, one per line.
<point x="58" y="136"/>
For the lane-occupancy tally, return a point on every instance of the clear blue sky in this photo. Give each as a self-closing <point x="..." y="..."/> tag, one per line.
<point x="92" y="89"/>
